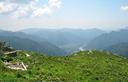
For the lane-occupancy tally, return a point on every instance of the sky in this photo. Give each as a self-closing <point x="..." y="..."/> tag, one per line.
<point x="103" y="14"/>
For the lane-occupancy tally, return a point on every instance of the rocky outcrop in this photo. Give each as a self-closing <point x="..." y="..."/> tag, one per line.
<point x="16" y="66"/>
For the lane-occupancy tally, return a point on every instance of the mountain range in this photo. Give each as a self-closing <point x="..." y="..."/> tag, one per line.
<point x="65" y="41"/>
<point x="24" y="41"/>
<point x="68" y="39"/>
<point x="107" y="39"/>
<point x="114" y="41"/>
<point x="120" y="48"/>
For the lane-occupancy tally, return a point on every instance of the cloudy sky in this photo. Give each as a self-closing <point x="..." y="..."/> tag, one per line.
<point x="22" y="14"/>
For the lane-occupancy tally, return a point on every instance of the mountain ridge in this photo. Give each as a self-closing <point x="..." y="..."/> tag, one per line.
<point x="23" y="41"/>
<point x="107" y="39"/>
<point x="67" y="39"/>
<point x="119" y="49"/>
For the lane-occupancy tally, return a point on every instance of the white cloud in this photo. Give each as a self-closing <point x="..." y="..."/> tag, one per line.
<point x="55" y="3"/>
<point x="42" y="11"/>
<point x="124" y="8"/>
<point x="20" y="12"/>
<point x="47" y="9"/>
<point x="30" y="8"/>
<point x="7" y="7"/>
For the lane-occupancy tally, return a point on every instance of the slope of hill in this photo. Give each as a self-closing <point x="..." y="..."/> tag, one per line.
<point x="86" y="66"/>
<point x="120" y="49"/>
<point x="108" y="39"/>
<point x="67" y="39"/>
<point x="23" y="41"/>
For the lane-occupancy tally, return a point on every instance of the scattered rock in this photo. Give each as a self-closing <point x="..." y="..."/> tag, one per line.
<point x="27" y="54"/>
<point x="16" y="66"/>
<point x="90" y="52"/>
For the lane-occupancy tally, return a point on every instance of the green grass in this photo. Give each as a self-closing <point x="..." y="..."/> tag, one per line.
<point x="78" y="67"/>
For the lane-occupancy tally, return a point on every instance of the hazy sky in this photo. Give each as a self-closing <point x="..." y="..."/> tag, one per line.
<point x="104" y="14"/>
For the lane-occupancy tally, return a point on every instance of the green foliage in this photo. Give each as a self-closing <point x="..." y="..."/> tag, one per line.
<point x="7" y="59"/>
<point x="83" y="66"/>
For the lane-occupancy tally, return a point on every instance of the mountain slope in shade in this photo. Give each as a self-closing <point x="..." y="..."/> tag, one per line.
<point x="67" y="39"/>
<point x="23" y="41"/>
<point x="119" y="49"/>
<point x="108" y="39"/>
